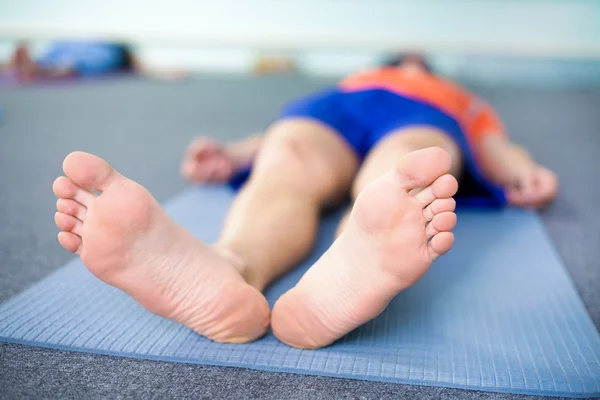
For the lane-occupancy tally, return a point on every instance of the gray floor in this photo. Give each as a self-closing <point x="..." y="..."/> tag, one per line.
<point x="142" y="128"/>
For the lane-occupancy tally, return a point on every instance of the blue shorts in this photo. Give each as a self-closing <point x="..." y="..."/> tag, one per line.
<point x="363" y="118"/>
<point x="85" y="58"/>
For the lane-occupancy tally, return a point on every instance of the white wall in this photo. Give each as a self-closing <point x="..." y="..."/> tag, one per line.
<point x="329" y="35"/>
<point x="568" y="25"/>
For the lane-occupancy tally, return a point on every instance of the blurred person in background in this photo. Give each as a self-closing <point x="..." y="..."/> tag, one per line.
<point x="405" y="101"/>
<point x="83" y="58"/>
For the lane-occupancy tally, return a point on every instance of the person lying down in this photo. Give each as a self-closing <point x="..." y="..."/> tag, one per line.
<point x="396" y="139"/>
<point x="80" y="58"/>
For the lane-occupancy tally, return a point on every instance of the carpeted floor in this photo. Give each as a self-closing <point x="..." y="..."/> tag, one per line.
<point x="142" y="128"/>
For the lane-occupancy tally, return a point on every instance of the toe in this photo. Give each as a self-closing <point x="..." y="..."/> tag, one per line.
<point x="442" y="222"/>
<point x="70" y="241"/>
<point x="440" y="244"/>
<point x="421" y="168"/>
<point x="71" y="207"/>
<point x="443" y="187"/>
<point x="65" y="188"/>
<point x="438" y="206"/>
<point x="68" y="223"/>
<point x="89" y="171"/>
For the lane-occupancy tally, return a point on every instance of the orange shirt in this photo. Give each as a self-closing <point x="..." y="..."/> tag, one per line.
<point x="474" y="116"/>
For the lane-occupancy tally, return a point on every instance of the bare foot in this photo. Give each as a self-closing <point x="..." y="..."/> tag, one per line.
<point x="399" y="225"/>
<point x="127" y="240"/>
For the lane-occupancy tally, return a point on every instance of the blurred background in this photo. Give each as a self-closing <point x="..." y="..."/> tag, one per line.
<point x="547" y="43"/>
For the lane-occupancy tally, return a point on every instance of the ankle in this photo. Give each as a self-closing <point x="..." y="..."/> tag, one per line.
<point x="241" y="265"/>
<point x="254" y="280"/>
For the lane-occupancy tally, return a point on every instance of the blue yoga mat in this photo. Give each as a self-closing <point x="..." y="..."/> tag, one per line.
<point x="498" y="313"/>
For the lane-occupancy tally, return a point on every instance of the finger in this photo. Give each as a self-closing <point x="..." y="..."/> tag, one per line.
<point x="188" y="167"/>
<point x="528" y="183"/>
<point x="518" y="198"/>
<point x="215" y="171"/>
<point x="196" y="171"/>
<point x="549" y="180"/>
<point x="211" y="171"/>
<point x="547" y="186"/>
<point x="514" y="195"/>
<point x="201" y="145"/>
<point x="205" y="171"/>
<point x="221" y="170"/>
<point x="204" y="152"/>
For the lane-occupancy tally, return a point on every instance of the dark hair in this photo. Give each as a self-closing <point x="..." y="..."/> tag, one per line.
<point x="399" y="59"/>
<point x="126" y="57"/>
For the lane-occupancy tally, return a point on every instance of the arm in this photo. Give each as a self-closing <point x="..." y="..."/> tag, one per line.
<point x="244" y="151"/>
<point x="501" y="159"/>
<point x="526" y="183"/>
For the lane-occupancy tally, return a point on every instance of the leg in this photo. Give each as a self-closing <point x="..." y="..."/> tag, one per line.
<point x="302" y="167"/>
<point x="393" y="234"/>
<point x="386" y="153"/>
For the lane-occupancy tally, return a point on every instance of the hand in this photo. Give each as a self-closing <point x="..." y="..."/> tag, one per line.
<point x="534" y="187"/>
<point x="207" y="161"/>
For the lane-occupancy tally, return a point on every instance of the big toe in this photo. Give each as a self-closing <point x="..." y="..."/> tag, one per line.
<point x="421" y="168"/>
<point x="89" y="171"/>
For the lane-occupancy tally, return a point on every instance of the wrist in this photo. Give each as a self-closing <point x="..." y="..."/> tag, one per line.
<point x="504" y="163"/>
<point x="243" y="153"/>
<point x="239" y="156"/>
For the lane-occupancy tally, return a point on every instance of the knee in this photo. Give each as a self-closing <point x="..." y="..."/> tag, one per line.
<point x="292" y="163"/>
<point x="285" y="151"/>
